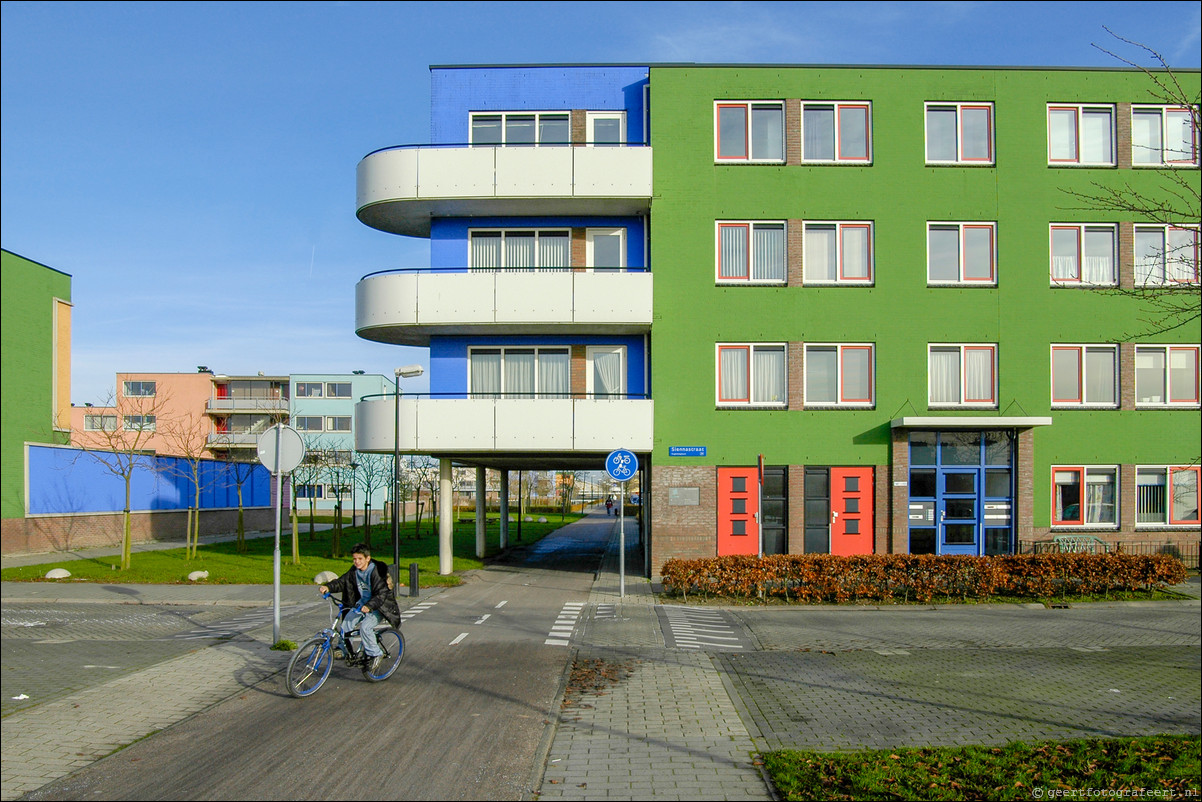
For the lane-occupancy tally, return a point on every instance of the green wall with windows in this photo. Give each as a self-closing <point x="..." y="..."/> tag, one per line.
<point x="900" y="313"/>
<point x="27" y="365"/>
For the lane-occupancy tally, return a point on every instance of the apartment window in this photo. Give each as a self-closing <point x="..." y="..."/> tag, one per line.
<point x="1166" y="496"/>
<point x="605" y="371"/>
<point x="340" y="423"/>
<point x="605" y="249"/>
<point x="751" y="375"/>
<point x="751" y="252"/>
<point x="1080" y="135"/>
<point x="310" y="491"/>
<point x="838" y="253"/>
<point x="962" y="375"/>
<point x="136" y="389"/>
<point x="1083" y="254"/>
<point x="836" y="132"/>
<point x="338" y="389"/>
<point x="100" y="423"/>
<point x="749" y="131"/>
<point x="309" y="423"/>
<point x="839" y="375"/>
<point x="961" y="253"/>
<point x="520" y="250"/>
<point x="519" y="372"/>
<point x="521" y="128"/>
<point x="959" y="133"/>
<point x="139" y="423"/>
<point x="1085" y="496"/>
<point x="606" y="128"/>
<point x="309" y="389"/>
<point x="1166" y="376"/>
<point x="1166" y="255"/>
<point x="1084" y="375"/>
<point x="1164" y="136"/>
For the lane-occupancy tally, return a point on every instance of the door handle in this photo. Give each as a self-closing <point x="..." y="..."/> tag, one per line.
<point x="834" y="517"/>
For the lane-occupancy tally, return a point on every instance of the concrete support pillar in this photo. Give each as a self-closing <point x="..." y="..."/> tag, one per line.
<point x="446" y="550"/>
<point x="481" y="511"/>
<point x="505" y="509"/>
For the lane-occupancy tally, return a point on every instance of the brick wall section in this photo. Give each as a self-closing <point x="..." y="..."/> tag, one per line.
<point x="687" y="532"/>
<point x="1126" y="255"/>
<point x="578" y="379"/>
<point x="578" y="123"/>
<point x="1126" y="375"/>
<point x="68" y="532"/>
<point x="1024" y="493"/>
<point x="794" y="253"/>
<point x="1127" y="498"/>
<point x="1122" y="133"/>
<point x="795" y="380"/>
<point x="897" y="539"/>
<point x="578" y="257"/>
<point x="796" y="534"/>
<point x="793" y="132"/>
<point x="881" y="484"/>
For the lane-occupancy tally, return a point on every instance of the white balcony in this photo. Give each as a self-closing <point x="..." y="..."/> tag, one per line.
<point x="470" y="428"/>
<point x="223" y="440"/>
<point x="400" y="189"/>
<point x="222" y="406"/>
<point x="406" y="307"/>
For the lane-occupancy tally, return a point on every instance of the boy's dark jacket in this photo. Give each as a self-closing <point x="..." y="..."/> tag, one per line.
<point x="382" y="600"/>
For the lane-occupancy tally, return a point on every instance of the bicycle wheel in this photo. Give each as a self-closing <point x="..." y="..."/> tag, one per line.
<point x="392" y="642"/>
<point x="309" y="667"/>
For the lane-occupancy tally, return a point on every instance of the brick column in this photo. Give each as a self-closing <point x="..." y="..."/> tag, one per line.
<point x="687" y="531"/>
<point x="882" y="484"/>
<point x="1126" y="255"/>
<point x="794" y="253"/>
<point x="795" y="380"/>
<point x="1127" y="499"/>
<point x="793" y="132"/>
<point x="578" y="379"/>
<point x="578" y="257"/>
<point x="796" y="535"/>
<point x="578" y="123"/>
<point x="1126" y="375"/>
<point x="1122" y="137"/>
<point x="1024" y="493"/>
<point x="897" y="541"/>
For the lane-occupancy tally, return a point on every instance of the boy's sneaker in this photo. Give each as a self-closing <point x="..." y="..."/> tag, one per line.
<point x="373" y="664"/>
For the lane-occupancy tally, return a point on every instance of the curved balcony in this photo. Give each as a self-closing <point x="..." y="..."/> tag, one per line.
<point x="407" y="306"/>
<point x="399" y="189"/>
<point x="556" y="429"/>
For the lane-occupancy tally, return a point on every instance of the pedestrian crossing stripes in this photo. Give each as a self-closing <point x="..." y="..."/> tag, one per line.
<point x="415" y="609"/>
<point x="561" y="631"/>
<point x="224" y="630"/>
<point x="690" y="628"/>
<point x="605" y="612"/>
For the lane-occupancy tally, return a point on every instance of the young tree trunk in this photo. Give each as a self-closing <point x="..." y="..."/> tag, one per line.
<point x="241" y="524"/>
<point x="127" y="537"/>
<point x="295" y="540"/>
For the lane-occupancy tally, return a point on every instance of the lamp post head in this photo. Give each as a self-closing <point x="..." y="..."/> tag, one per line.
<point x="409" y="371"/>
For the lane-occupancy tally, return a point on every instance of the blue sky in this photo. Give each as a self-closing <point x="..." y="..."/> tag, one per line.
<point x="192" y="165"/>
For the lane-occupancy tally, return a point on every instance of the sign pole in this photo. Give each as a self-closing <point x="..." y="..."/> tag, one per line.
<point x="280" y="454"/>
<point x="621" y="465"/>
<point x="275" y="554"/>
<point x="622" y="540"/>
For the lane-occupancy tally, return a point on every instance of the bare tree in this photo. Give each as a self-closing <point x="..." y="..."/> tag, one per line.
<point x="186" y="438"/>
<point x="374" y="474"/>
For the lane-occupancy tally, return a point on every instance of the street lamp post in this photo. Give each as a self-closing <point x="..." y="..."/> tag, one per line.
<point x="408" y="371"/>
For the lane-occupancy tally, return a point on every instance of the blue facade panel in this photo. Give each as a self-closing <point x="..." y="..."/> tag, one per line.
<point x="456" y="92"/>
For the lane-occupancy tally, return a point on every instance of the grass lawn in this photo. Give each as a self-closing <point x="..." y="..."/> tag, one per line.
<point x="1164" y="767"/>
<point x="254" y="567"/>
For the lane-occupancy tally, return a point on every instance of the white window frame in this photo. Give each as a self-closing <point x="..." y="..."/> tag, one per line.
<point x="590" y="261"/>
<point x="138" y="423"/>
<point x="1169" y="471"/>
<point x="1164" y="113"/>
<point x="303" y="423"/>
<point x="333" y="387"/>
<point x="1082" y="351"/>
<point x="750" y="349"/>
<point x="310" y="491"/>
<point x="1081" y="229"/>
<point x="591" y="352"/>
<point x="108" y="422"/>
<point x="1163" y="279"/>
<point x="504" y="391"/>
<point x="504" y="115"/>
<point x="960" y="108"/>
<point x="1084" y="474"/>
<point x="840" y="277"/>
<point x="838" y="107"/>
<point x="963" y="401"/>
<point x="1183" y="353"/>
<point x="1080" y="110"/>
<point x="748" y="157"/>
<point x="750" y="267"/>
<point x="305" y="389"/>
<point x="503" y="233"/>
<point x="842" y="402"/>
<point x="333" y="422"/>
<point x="140" y="388"/>
<point x="592" y="117"/>
<point x="961" y="280"/>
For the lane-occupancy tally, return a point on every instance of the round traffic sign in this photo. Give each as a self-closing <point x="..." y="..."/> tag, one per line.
<point x="281" y="448"/>
<point x="621" y="465"/>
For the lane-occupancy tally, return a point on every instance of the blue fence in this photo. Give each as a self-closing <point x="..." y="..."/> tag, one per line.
<point x="69" y="480"/>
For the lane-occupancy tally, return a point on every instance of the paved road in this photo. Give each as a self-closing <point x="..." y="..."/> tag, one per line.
<point x="660" y="705"/>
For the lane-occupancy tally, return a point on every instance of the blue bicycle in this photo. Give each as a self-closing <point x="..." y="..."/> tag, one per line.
<point x="310" y="666"/>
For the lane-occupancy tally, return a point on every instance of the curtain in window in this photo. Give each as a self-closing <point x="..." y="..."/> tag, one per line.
<point x="485" y="251"/>
<point x="734" y="251"/>
<point x="1099" y="375"/>
<point x="1150" y="504"/>
<point x="1068" y="495"/>
<point x="553" y="373"/>
<point x="1179" y="137"/>
<point x="1096" y="145"/>
<point x="857" y="373"/>
<point x="1149" y="256"/>
<point x="819" y="141"/>
<point x="821" y="376"/>
<point x="733" y="367"/>
<point x="821" y="253"/>
<point x="1183" y="374"/>
<point x="767" y="132"/>
<point x="1185" y="495"/>
<point x="769" y="375"/>
<point x="520" y="249"/>
<point x="1066" y="368"/>
<point x="519" y="373"/>
<point x="944" y="378"/>
<point x="1062" y="134"/>
<point x="555" y="250"/>
<point x="1181" y="262"/>
<point x="1098" y="265"/>
<point x="485" y="373"/>
<point x="1145" y="138"/>
<point x="855" y="252"/>
<point x="1065" y="253"/>
<point x="978" y="374"/>
<point x="607" y="374"/>
<point x="768" y="243"/>
<point x="1149" y="376"/>
<point x="1099" y="499"/>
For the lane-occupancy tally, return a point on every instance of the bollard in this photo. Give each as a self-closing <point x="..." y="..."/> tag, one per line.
<point x="413" y="589"/>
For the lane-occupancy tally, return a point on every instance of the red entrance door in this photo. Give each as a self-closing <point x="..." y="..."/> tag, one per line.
<point x="851" y="511"/>
<point x="738" y="508"/>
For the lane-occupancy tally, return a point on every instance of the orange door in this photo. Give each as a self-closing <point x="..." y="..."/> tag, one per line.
<point x="851" y="511"/>
<point x="738" y="511"/>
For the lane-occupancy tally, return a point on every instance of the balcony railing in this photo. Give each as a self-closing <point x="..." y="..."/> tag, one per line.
<point x="219" y="405"/>
<point x="401" y="188"/>
<point x="407" y="306"/>
<point x="514" y="423"/>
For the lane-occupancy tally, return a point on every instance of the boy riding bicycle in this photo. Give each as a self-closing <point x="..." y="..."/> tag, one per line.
<point x="367" y="589"/>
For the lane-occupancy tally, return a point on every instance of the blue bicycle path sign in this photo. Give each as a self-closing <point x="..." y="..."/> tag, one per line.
<point x="621" y="465"/>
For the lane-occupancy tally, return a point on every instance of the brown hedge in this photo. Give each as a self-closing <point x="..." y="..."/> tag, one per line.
<point x="891" y="578"/>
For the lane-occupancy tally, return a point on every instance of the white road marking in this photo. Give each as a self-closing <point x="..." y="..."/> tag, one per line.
<point x="457" y="640"/>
